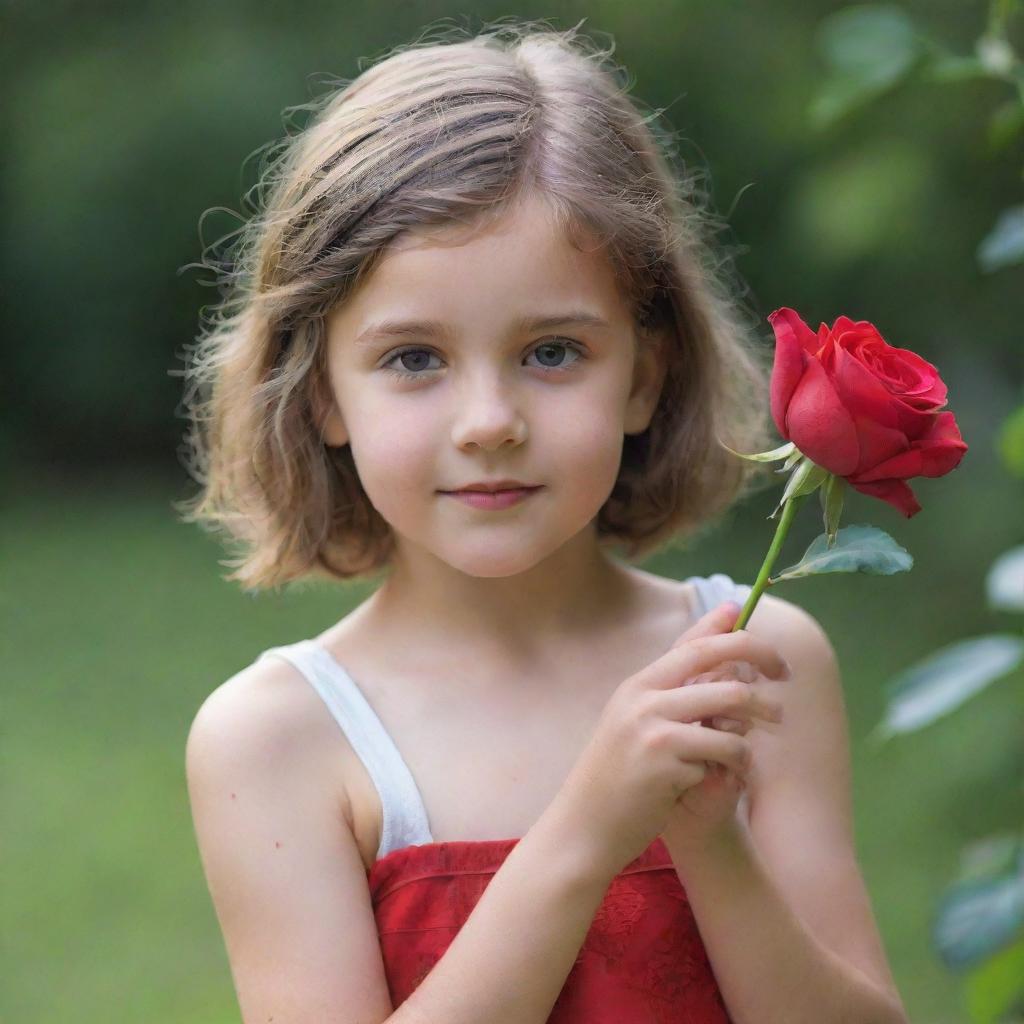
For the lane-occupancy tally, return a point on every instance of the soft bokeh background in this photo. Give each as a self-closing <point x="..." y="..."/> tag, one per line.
<point x="122" y="125"/>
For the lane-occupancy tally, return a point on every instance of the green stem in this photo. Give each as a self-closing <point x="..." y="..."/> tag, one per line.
<point x="761" y="583"/>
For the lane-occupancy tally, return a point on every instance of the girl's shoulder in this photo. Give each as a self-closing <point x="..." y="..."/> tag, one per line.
<point x="267" y="714"/>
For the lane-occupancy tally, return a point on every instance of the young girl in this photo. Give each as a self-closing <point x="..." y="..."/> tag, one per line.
<point x="475" y="338"/>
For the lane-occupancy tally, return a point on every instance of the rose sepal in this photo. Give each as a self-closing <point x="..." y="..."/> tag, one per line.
<point x="832" y="492"/>
<point x="806" y="479"/>
<point x="784" y="452"/>
<point x="795" y="456"/>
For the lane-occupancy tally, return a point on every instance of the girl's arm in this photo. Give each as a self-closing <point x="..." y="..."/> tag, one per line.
<point x="781" y="906"/>
<point x="509" y="961"/>
<point x="290" y="892"/>
<point x="768" y="964"/>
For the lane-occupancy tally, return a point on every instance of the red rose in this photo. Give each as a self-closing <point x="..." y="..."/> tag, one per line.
<point x="863" y="410"/>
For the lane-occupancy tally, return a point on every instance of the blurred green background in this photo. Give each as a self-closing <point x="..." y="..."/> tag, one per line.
<point x="124" y="125"/>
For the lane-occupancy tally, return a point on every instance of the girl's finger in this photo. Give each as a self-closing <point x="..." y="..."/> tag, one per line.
<point x="730" y="725"/>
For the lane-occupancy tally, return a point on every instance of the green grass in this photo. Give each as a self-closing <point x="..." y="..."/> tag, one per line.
<point x="120" y="625"/>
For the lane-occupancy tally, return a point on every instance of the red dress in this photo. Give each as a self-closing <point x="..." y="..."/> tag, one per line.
<point x="642" y="961"/>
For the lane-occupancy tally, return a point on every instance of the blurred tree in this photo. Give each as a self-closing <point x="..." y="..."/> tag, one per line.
<point x="979" y="926"/>
<point x="125" y="124"/>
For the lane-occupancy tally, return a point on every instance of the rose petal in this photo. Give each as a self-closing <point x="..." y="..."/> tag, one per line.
<point x="862" y="392"/>
<point x="935" y="455"/>
<point x="819" y="425"/>
<point x="786" y="321"/>
<point x="792" y="336"/>
<point x="925" y="389"/>
<point x="895" y="492"/>
<point x="914" y="421"/>
<point x="877" y="444"/>
<point x="844" y="325"/>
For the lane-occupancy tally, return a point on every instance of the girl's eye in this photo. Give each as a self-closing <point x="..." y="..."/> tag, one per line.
<point x="548" y="350"/>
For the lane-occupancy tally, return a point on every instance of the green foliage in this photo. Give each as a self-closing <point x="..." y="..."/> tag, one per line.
<point x="103" y="212"/>
<point x="868" y="49"/>
<point x="1004" y="244"/>
<point x="857" y="548"/>
<point x="983" y="911"/>
<point x="945" y="679"/>
<point x="994" y="987"/>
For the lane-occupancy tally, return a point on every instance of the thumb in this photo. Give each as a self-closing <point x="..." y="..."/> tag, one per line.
<point x="719" y="620"/>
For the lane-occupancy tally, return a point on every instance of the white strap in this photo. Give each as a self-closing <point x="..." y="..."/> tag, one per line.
<point x="404" y="815"/>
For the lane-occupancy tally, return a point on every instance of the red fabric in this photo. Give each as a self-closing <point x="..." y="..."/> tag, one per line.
<point x="642" y="961"/>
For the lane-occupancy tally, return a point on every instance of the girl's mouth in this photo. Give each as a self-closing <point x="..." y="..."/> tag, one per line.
<point x="493" y="499"/>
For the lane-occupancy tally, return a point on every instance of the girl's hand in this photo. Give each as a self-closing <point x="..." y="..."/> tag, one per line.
<point x="709" y="808"/>
<point x="649" y="749"/>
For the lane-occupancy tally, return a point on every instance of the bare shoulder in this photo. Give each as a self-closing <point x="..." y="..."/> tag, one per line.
<point x="282" y="866"/>
<point x="800" y="638"/>
<point x="811" y="697"/>
<point x="266" y="705"/>
<point x="268" y="712"/>
<point x="791" y="624"/>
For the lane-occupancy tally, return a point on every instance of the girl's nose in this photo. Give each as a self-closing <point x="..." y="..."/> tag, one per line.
<point x="488" y="419"/>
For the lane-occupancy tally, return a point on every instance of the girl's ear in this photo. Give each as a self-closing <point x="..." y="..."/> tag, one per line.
<point x="328" y="418"/>
<point x="649" y="369"/>
<point x="335" y="434"/>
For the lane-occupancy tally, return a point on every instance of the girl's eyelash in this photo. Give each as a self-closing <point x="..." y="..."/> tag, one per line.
<point x="557" y="343"/>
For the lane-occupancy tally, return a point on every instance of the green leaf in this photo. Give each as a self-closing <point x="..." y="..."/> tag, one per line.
<point x="1004" y="584"/>
<point x="1004" y="244"/>
<point x="995" y="988"/>
<point x="977" y="918"/>
<point x="991" y="856"/>
<point x="868" y="48"/>
<point x="980" y="922"/>
<point x="838" y="97"/>
<point x="941" y="682"/>
<point x="873" y="42"/>
<point x="1010" y="442"/>
<point x="950" y="68"/>
<point x="1005" y="125"/>
<point x="858" y="548"/>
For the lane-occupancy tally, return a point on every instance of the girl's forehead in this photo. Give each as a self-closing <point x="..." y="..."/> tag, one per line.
<point x="519" y="261"/>
<point x="466" y="284"/>
<point x="530" y="218"/>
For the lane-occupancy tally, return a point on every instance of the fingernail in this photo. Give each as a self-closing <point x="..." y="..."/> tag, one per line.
<point x="731" y="608"/>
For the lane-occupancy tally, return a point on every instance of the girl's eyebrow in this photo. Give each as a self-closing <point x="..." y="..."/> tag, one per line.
<point x="398" y="328"/>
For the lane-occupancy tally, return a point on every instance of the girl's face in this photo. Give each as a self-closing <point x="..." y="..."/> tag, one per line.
<point x="440" y="380"/>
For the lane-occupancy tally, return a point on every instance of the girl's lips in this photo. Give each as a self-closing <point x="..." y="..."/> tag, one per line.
<point x="493" y="499"/>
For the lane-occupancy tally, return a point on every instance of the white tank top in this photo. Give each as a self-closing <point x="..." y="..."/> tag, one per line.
<point x="405" y="817"/>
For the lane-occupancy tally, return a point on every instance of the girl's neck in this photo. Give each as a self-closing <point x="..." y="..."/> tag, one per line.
<point x="574" y="595"/>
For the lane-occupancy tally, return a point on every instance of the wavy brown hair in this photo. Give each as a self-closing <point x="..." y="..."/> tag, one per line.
<point x="440" y="132"/>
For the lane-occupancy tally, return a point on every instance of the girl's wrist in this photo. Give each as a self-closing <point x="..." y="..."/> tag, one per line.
<point x="712" y="845"/>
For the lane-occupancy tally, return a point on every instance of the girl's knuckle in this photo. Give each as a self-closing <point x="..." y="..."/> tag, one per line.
<point x="740" y="694"/>
<point x="698" y="648"/>
<point x="647" y="704"/>
<point x="658" y="737"/>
